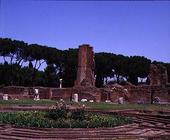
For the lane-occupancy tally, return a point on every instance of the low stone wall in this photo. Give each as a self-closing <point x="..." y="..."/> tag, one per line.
<point x="111" y="94"/>
<point x="140" y="94"/>
<point x="146" y="94"/>
<point x="161" y="92"/>
<point x="16" y="92"/>
<point x="61" y="93"/>
<point x="135" y="94"/>
<point x="89" y="93"/>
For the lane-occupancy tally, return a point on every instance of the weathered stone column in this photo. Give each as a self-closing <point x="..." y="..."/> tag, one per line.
<point x="86" y="66"/>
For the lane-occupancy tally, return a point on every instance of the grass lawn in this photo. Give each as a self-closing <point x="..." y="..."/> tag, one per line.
<point x="101" y="106"/>
<point x="26" y="102"/>
<point x="106" y="106"/>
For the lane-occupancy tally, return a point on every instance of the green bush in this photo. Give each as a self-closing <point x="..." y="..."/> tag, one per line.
<point x="61" y="119"/>
<point x="79" y="114"/>
<point x="57" y="113"/>
<point x="107" y="121"/>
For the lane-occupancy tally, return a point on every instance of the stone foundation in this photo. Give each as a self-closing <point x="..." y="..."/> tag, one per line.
<point x="134" y="94"/>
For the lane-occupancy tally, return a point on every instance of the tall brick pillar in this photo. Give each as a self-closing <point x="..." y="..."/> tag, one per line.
<point x="86" y="66"/>
<point x="158" y="75"/>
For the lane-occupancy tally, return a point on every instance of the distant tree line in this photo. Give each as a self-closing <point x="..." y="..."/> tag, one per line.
<point x="21" y="62"/>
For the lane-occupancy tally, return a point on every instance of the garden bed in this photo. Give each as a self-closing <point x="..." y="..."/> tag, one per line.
<point x="62" y="118"/>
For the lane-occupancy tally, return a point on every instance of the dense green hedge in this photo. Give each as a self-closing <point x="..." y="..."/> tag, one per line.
<point x="61" y="119"/>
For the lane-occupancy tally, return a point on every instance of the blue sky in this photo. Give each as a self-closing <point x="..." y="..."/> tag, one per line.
<point x="121" y="27"/>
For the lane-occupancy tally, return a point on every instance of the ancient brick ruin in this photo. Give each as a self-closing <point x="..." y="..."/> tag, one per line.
<point x="86" y="66"/>
<point x="85" y="85"/>
<point x="158" y="75"/>
<point x="158" y="88"/>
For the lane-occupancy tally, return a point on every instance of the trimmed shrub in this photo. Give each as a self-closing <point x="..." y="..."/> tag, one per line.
<point x="57" y="113"/>
<point x="61" y="119"/>
<point x="79" y="114"/>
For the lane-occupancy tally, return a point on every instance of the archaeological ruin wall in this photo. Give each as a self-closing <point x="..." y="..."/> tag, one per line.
<point x="85" y="85"/>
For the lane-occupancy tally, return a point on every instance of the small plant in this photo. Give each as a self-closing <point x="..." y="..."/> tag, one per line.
<point x="79" y="114"/>
<point x="57" y="113"/>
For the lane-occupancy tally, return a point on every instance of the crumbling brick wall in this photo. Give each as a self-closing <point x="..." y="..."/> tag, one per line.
<point x="61" y="93"/>
<point x="15" y="92"/>
<point x="89" y="93"/>
<point x="140" y="94"/>
<point x="158" y="75"/>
